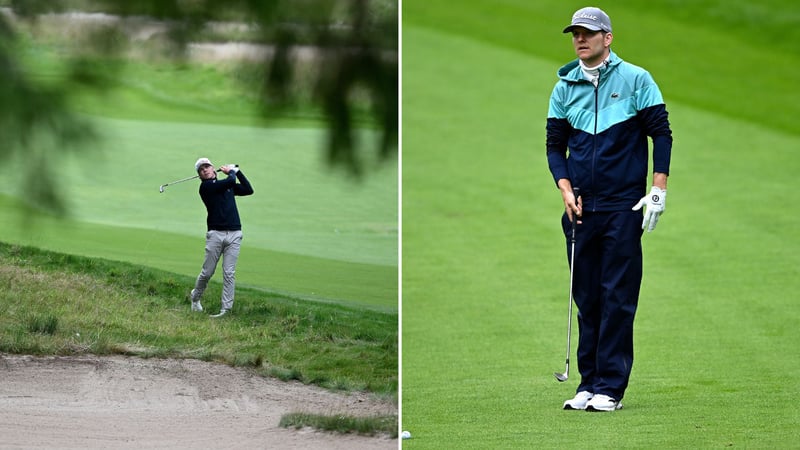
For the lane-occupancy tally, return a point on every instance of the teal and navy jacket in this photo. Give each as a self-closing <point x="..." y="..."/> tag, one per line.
<point x="605" y="129"/>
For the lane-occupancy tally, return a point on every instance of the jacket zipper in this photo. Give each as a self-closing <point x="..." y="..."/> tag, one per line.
<point x="594" y="137"/>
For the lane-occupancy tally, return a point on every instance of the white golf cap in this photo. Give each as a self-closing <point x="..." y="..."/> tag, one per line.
<point x="201" y="162"/>
<point x="591" y="18"/>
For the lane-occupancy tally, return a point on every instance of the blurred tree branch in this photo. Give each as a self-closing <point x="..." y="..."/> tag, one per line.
<point x="355" y="43"/>
<point x="28" y="112"/>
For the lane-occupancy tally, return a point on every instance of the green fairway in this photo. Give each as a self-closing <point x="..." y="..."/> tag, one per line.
<point x="485" y="278"/>
<point x="309" y="231"/>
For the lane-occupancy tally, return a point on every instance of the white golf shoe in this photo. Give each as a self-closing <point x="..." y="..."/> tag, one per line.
<point x="222" y="312"/>
<point x="603" y="403"/>
<point x="579" y="401"/>
<point x="196" y="306"/>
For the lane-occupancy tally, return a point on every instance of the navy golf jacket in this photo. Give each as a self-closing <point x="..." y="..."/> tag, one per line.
<point x="218" y="196"/>
<point x="605" y="129"/>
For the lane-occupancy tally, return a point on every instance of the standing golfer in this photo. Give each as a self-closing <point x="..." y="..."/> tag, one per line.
<point x="601" y="112"/>
<point x="224" y="229"/>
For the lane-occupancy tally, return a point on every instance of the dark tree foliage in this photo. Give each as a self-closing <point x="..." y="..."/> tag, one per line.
<point x="29" y="111"/>
<point x="356" y="44"/>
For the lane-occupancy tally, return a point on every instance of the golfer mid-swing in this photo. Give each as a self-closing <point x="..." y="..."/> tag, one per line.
<point x="224" y="229"/>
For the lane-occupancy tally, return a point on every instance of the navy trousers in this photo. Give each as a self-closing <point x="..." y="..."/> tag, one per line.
<point x="606" y="280"/>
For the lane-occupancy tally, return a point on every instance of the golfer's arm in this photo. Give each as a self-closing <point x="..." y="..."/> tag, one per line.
<point x="219" y="185"/>
<point x="244" y="187"/>
<point x="564" y="185"/>
<point x="660" y="180"/>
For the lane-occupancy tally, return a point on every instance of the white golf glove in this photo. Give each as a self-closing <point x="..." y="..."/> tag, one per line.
<point x="233" y="168"/>
<point x="654" y="204"/>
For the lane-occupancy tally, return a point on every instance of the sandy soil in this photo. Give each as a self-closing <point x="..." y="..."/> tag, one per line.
<point x="125" y="402"/>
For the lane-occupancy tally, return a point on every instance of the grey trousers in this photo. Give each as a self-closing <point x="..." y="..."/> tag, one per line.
<point x="225" y="244"/>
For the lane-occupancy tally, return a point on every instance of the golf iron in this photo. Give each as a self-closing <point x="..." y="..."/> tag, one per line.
<point x="564" y="376"/>
<point x="161" y="188"/>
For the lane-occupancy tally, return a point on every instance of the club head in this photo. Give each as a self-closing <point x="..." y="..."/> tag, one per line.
<point x="562" y="377"/>
<point x="161" y="189"/>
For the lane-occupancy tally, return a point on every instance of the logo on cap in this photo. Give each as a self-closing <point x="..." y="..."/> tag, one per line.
<point x="584" y="16"/>
<point x="591" y="18"/>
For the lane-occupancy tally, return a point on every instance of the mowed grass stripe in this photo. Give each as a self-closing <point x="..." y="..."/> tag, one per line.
<point x="485" y="277"/>
<point x="730" y="57"/>
<point x="308" y="231"/>
<point x="300" y="205"/>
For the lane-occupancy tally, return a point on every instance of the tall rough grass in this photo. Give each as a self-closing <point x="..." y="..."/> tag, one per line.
<point x="53" y="303"/>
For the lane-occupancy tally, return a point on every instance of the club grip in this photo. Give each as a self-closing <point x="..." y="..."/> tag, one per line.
<point x="220" y="169"/>
<point x="576" y="192"/>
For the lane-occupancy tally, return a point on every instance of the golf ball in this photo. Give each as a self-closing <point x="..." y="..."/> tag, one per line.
<point x="405" y="435"/>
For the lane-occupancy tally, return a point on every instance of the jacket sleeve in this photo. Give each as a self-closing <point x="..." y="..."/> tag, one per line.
<point x="558" y="132"/>
<point x="244" y="187"/>
<point x="656" y="122"/>
<point x="218" y="185"/>
<point x="653" y="112"/>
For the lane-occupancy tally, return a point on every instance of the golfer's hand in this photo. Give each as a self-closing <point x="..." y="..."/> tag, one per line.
<point x="233" y="168"/>
<point x="654" y="204"/>
<point x="572" y="205"/>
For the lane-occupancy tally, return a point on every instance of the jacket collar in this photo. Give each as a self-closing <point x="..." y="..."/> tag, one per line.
<point x="572" y="71"/>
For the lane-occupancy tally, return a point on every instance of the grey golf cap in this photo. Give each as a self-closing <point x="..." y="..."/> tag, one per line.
<point x="590" y="18"/>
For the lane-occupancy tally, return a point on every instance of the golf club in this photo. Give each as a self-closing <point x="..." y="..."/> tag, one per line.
<point x="161" y="188"/>
<point x="564" y="376"/>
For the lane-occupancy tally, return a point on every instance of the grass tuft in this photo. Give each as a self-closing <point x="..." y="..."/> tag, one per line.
<point x="44" y="324"/>
<point x="366" y="426"/>
<point x="285" y="374"/>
